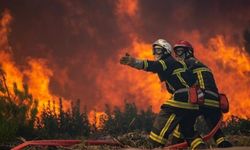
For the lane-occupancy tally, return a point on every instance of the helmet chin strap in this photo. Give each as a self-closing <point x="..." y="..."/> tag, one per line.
<point x="158" y="57"/>
<point x="183" y="55"/>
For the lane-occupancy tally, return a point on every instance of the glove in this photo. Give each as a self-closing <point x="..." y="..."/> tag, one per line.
<point x="127" y="60"/>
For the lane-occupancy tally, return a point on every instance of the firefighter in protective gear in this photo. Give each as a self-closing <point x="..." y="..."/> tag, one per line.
<point x="177" y="110"/>
<point x="210" y="109"/>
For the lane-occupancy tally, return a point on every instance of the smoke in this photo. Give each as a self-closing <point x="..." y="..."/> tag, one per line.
<point x="76" y="37"/>
<point x="247" y="40"/>
<point x="82" y="40"/>
<point x="171" y="18"/>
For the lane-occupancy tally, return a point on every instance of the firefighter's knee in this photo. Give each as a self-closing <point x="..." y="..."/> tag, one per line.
<point x="177" y="132"/>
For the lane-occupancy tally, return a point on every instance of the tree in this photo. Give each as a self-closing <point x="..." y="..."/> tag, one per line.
<point x="49" y="121"/>
<point x="118" y="122"/>
<point x="18" y="111"/>
<point x="80" y="124"/>
<point x="71" y="123"/>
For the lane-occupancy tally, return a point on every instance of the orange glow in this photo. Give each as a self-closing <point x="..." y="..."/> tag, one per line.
<point x="39" y="78"/>
<point x="130" y="84"/>
<point x="4" y="29"/>
<point x="38" y="74"/>
<point x="229" y="63"/>
<point x="128" y="7"/>
<point x="94" y="118"/>
<point x="12" y="74"/>
<point x="233" y="75"/>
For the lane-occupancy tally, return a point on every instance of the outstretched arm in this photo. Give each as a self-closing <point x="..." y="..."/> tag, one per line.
<point x="131" y="61"/>
<point x="150" y="66"/>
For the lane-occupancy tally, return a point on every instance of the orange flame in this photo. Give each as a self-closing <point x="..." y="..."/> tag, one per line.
<point x="228" y="62"/>
<point x="230" y="65"/>
<point x="143" y="88"/>
<point x="38" y="74"/>
<point x="94" y="118"/>
<point x="233" y="75"/>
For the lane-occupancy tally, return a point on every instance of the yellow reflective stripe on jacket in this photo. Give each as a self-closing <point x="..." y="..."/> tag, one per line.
<point x="164" y="66"/>
<point x="184" y="105"/>
<point x="168" y="123"/>
<point x="201" y="81"/>
<point x="145" y="64"/>
<point x="183" y="63"/>
<point x="183" y="82"/>
<point x="212" y="103"/>
<point x="201" y="69"/>
<point x="178" y="72"/>
<point x="157" y="138"/>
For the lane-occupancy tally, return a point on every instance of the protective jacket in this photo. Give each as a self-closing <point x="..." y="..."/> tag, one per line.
<point x="210" y="109"/>
<point x="205" y="80"/>
<point x="177" y="110"/>
<point x="177" y="78"/>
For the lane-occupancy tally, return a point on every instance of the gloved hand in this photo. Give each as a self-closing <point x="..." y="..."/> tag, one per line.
<point x="127" y="60"/>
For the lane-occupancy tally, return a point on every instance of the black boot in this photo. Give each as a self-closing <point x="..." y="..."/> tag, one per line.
<point x="197" y="143"/>
<point x="200" y="146"/>
<point x="176" y="140"/>
<point x="224" y="144"/>
<point x="151" y="144"/>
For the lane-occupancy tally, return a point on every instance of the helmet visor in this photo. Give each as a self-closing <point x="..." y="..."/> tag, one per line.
<point x="179" y="51"/>
<point x="157" y="50"/>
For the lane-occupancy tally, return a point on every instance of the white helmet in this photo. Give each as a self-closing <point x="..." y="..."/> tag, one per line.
<point x="163" y="43"/>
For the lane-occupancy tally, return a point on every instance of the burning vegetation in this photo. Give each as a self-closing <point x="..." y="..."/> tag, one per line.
<point x="47" y="64"/>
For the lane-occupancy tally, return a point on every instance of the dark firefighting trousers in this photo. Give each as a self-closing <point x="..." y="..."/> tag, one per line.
<point x="211" y="116"/>
<point x="167" y="120"/>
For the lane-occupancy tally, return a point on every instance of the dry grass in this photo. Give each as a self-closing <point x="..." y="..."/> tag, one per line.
<point x="138" y="140"/>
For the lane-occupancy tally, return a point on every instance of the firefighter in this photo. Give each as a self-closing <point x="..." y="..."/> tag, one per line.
<point x="177" y="110"/>
<point x="210" y="109"/>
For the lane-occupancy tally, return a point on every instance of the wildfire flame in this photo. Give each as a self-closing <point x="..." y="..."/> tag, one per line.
<point x="230" y="66"/>
<point x="232" y="75"/>
<point x="37" y="74"/>
<point x="229" y="63"/>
